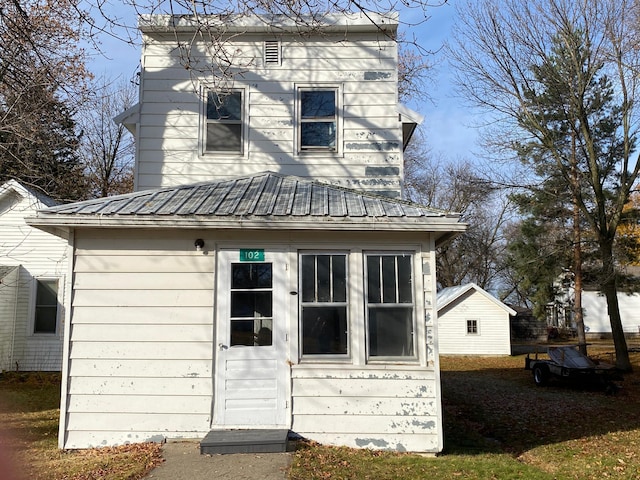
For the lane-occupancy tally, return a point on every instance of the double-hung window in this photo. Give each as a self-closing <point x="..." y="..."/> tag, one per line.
<point x="318" y="119"/>
<point x="224" y="129"/>
<point x="323" y="279"/>
<point x="472" y="327"/>
<point x="389" y="305"/>
<point x="45" y="318"/>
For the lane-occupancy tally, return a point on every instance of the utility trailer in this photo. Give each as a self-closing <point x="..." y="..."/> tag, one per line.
<point x="568" y="363"/>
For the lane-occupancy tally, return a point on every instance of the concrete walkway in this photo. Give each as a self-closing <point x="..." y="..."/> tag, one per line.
<point x="184" y="462"/>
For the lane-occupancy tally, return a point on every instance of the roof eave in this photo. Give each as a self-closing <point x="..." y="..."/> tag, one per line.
<point x="444" y="225"/>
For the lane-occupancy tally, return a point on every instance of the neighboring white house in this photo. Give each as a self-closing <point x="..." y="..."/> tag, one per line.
<point x="277" y="291"/>
<point x="471" y="321"/>
<point x="33" y="265"/>
<point x="596" y="317"/>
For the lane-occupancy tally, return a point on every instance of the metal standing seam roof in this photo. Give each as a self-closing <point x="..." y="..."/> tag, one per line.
<point x="266" y="198"/>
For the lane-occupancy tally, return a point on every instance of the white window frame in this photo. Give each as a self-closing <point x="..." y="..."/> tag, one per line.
<point x="341" y="357"/>
<point x="33" y="305"/>
<point x="414" y="356"/>
<point x="338" y="118"/>
<point x="476" y="324"/>
<point x="244" y="129"/>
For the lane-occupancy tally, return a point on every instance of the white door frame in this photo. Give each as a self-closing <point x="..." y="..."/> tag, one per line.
<point x="251" y="382"/>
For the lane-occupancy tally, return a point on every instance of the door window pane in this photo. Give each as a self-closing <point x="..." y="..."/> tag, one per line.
<point x="251" y="304"/>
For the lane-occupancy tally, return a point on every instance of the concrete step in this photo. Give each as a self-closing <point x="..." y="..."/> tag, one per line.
<point x="244" y="441"/>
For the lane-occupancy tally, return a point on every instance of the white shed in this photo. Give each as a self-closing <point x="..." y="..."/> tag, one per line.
<point x="471" y="321"/>
<point x="33" y="265"/>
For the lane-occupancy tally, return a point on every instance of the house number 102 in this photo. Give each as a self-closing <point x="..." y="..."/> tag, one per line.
<point x="252" y="255"/>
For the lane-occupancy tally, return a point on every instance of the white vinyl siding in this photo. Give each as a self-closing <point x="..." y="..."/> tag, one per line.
<point x="369" y="136"/>
<point x="391" y="408"/>
<point x="596" y="318"/>
<point x="141" y="343"/>
<point x="36" y="254"/>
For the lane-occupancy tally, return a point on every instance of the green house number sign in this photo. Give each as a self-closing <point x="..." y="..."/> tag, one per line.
<point x="252" y="255"/>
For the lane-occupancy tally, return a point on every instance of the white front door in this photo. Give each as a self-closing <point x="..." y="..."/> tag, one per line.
<point x="251" y="363"/>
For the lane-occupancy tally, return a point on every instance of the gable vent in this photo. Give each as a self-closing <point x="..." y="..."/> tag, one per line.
<point x="272" y="52"/>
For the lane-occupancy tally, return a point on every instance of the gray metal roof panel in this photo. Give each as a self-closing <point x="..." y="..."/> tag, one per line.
<point x="266" y="198"/>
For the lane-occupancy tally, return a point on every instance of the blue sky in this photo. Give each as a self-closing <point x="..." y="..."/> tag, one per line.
<point x="447" y="121"/>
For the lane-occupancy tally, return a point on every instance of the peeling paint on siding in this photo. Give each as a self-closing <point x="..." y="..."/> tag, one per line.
<point x="381" y="171"/>
<point x="377" y="146"/>
<point x="377" y="75"/>
<point x="375" y="442"/>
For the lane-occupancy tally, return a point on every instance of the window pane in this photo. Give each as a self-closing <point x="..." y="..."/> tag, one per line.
<point x="390" y="332"/>
<point x="251" y="275"/>
<point x="324" y="330"/>
<point x="256" y="332"/>
<point x="405" y="286"/>
<point x="318" y="104"/>
<point x="224" y="106"/>
<point x="47" y="293"/>
<point x="318" y="134"/>
<point x="251" y="304"/>
<point x="308" y="278"/>
<point x="46" y="309"/>
<point x="339" y="278"/>
<point x="389" y="279"/>
<point x="373" y="279"/>
<point x="224" y="137"/>
<point x="324" y="278"/>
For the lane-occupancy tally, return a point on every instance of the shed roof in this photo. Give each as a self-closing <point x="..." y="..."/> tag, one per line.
<point x="264" y="201"/>
<point x="448" y="295"/>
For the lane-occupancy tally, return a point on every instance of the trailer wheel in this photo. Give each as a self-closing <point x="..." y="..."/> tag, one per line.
<point x="541" y="375"/>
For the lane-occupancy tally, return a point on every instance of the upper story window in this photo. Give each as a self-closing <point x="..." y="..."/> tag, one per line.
<point x="318" y="119"/>
<point x="45" y="318"/>
<point x="225" y="126"/>
<point x="390" y="308"/>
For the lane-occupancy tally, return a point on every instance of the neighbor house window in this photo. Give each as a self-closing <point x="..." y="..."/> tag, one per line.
<point x="318" y="120"/>
<point x="389" y="304"/>
<point x="46" y="306"/>
<point x="323" y="279"/>
<point x="224" y="129"/>
<point x="472" y="327"/>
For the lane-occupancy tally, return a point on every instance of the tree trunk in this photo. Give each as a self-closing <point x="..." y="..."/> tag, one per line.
<point x="577" y="254"/>
<point x="609" y="288"/>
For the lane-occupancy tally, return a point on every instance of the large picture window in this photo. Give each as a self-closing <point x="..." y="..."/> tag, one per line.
<point x="323" y="300"/>
<point x="224" y="129"/>
<point x="390" y="308"/>
<point x="46" y="306"/>
<point x="318" y="120"/>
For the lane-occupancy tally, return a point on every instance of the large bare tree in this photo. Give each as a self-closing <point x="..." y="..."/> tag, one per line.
<point x="498" y="46"/>
<point x="42" y="80"/>
<point x="107" y="149"/>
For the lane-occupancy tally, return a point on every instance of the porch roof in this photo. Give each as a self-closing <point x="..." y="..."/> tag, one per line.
<point x="264" y="201"/>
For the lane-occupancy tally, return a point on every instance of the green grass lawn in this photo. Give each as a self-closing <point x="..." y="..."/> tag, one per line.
<point x="497" y="425"/>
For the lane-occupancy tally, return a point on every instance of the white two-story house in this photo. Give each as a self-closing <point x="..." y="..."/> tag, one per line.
<point x="266" y="273"/>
